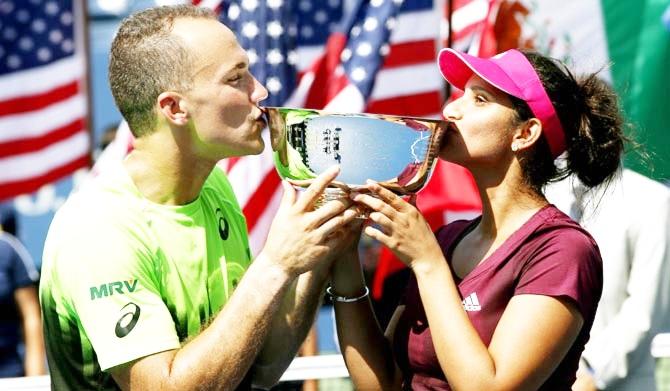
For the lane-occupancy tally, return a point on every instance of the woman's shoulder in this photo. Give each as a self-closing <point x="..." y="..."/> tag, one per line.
<point x="454" y="230"/>
<point x="553" y="223"/>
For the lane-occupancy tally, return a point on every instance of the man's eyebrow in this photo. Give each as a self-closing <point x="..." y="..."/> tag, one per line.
<point x="238" y="66"/>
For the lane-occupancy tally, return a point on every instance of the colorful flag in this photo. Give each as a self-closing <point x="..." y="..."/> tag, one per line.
<point x="353" y="57"/>
<point x="43" y="104"/>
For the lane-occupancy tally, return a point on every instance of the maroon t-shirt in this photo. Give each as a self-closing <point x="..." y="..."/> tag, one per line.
<point x="549" y="255"/>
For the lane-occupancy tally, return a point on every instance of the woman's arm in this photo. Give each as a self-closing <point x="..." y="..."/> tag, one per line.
<point x="29" y="307"/>
<point x="367" y="353"/>
<point x="530" y="340"/>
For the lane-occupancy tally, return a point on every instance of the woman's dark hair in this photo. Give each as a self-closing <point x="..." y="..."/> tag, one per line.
<point x="589" y="111"/>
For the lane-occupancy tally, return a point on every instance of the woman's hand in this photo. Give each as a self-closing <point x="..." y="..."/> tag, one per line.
<point x="401" y="227"/>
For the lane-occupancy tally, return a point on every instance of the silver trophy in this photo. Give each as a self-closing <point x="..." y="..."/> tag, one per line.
<point x="397" y="152"/>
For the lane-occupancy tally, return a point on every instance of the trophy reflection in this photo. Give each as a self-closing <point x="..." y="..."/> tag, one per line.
<point x="397" y="152"/>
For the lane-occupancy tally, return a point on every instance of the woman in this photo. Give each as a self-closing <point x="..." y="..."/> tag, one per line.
<point x="505" y="301"/>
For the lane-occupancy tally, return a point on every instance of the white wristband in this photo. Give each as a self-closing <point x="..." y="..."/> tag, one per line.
<point x="343" y="299"/>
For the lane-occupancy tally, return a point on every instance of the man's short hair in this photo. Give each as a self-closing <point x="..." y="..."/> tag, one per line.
<point x="147" y="59"/>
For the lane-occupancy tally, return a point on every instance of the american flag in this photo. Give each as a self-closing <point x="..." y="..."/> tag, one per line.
<point x="343" y="56"/>
<point x="43" y="105"/>
<point x="313" y="53"/>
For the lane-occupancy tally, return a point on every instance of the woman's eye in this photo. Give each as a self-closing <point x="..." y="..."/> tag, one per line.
<point x="480" y="99"/>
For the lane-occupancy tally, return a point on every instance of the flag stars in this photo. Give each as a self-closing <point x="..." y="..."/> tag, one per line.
<point x="364" y="49"/>
<point x="398" y="2"/>
<point x="391" y="23"/>
<point x="38" y="25"/>
<point x="253" y="56"/>
<point x="55" y="36"/>
<point x="51" y="8"/>
<point x="67" y="46"/>
<point x="274" y="57"/>
<point x="345" y="55"/>
<point x="23" y="16"/>
<point x="333" y="3"/>
<point x="275" y="29"/>
<point x="250" y="30"/>
<point x="26" y="44"/>
<point x="307" y="32"/>
<point x="273" y="85"/>
<point x="358" y="74"/>
<point x="355" y="31"/>
<point x="13" y="61"/>
<point x="43" y="54"/>
<point x="320" y="17"/>
<point x="250" y="5"/>
<point x="275" y="4"/>
<point x="305" y="6"/>
<point x="384" y="50"/>
<point x="376" y="3"/>
<point x="233" y="12"/>
<point x="66" y="18"/>
<point x="292" y="57"/>
<point x="370" y="24"/>
<point x="9" y="34"/>
<point x="6" y="7"/>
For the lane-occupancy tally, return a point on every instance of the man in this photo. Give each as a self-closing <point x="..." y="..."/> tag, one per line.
<point x="147" y="277"/>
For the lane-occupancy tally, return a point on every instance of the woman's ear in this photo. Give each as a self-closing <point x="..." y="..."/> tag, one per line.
<point x="527" y="135"/>
<point x="173" y="107"/>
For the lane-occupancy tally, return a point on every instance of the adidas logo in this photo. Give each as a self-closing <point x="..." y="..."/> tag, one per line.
<point x="471" y="303"/>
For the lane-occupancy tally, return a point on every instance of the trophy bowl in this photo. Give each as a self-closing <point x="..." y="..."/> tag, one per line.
<point x="397" y="152"/>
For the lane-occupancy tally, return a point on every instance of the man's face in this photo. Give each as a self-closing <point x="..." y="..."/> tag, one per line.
<point x="222" y="103"/>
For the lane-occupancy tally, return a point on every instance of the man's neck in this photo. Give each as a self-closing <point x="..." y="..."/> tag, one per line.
<point x="164" y="173"/>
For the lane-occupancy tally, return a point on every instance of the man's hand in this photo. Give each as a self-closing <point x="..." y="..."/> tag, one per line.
<point x="301" y="237"/>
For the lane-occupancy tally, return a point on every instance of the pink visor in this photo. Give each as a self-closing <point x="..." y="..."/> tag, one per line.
<point x="512" y="73"/>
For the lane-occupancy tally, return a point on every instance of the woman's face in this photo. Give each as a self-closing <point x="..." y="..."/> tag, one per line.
<point x="483" y="120"/>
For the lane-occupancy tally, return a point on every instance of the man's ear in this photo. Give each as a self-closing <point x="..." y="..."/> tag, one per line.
<point x="173" y="107"/>
<point x="527" y="135"/>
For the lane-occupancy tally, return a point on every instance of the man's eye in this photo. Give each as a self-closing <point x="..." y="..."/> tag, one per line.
<point x="235" y="79"/>
<point x="480" y="99"/>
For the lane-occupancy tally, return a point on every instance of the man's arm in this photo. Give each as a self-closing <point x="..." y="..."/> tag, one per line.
<point x="222" y="354"/>
<point x="289" y="327"/>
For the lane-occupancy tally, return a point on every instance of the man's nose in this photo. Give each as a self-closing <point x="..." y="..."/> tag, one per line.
<point x="259" y="92"/>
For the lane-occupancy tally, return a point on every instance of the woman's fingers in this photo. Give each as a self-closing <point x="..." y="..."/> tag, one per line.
<point x="387" y="195"/>
<point x="375" y="204"/>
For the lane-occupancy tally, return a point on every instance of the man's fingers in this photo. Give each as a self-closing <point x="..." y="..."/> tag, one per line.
<point x="288" y="196"/>
<point x="339" y="221"/>
<point x="330" y="209"/>
<point x="317" y="187"/>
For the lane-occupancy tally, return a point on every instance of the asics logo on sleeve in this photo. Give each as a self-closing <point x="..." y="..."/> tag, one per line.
<point x="121" y="329"/>
<point x="223" y="230"/>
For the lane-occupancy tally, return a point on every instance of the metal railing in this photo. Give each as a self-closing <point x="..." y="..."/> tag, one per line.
<point x="312" y="367"/>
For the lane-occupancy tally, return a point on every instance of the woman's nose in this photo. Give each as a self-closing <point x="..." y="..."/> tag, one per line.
<point x="450" y="110"/>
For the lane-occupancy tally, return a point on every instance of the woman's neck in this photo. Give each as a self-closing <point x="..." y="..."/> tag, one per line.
<point x="506" y="205"/>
